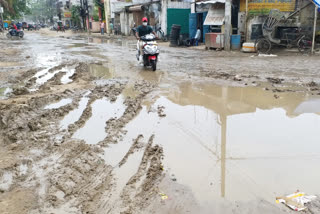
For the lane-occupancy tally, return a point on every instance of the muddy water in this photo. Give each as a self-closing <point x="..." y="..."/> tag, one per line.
<point x="66" y="78"/>
<point x="234" y="144"/>
<point x="59" y="104"/>
<point x="225" y="145"/>
<point x="102" y="110"/>
<point x="101" y="71"/>
<point x="74" y="115"/>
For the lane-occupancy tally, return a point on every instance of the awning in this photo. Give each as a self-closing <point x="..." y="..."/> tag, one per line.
<point x="215" y="16"/>
<point x="211" y="2"/>
<point x="136" y="8"/>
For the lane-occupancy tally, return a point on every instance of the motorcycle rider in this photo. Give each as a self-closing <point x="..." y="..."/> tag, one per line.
<point x="143" y="30"/>
<point x="15" y="29"/>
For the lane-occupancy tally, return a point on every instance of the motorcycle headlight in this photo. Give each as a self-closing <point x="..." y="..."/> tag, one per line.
<point x="150" y="49"/>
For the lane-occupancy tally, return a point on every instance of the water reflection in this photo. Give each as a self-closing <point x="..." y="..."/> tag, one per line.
<point x="239" y="144"/>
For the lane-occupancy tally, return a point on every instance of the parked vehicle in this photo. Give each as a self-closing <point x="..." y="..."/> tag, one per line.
<point x="292" y="37"/>
<point x="31" y="27"/>
<point x="150" y="51"/>
<point x="75" y="29"/>
<point x="37" y="27"/>
<point x="15" y="33"/>
<point x="54" y="27"/>
<point x="24" y="25"/>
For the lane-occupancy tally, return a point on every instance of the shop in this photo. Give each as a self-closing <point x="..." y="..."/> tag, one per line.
<point x="210" y="15"/>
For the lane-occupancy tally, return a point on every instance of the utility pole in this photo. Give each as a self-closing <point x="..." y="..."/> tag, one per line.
<point x="107" y="15"/>
<point x="246" y="23"/>
<point x="1" y="11"/>
<point x="82" y="13"/>
<point x="227" y="25"/>
<point x="314" y="27"/>
<point x="86" y="8"/>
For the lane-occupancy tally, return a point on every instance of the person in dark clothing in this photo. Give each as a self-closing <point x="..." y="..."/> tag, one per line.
<point x="19" y="25"/>
<point x="143" y="30"/>
<point x="14" y="29"/>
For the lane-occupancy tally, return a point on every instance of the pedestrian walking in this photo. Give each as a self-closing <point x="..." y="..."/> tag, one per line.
<point x="197" y="37"/>
<point x="102" y="27"/>
<point x="111" y="27"/>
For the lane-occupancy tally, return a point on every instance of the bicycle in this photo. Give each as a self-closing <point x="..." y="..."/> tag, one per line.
<point x="161" y="34"/>
<point x="298" y="38"/>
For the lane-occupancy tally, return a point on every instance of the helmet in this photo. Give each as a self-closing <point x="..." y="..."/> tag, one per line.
<point x="144" y="19"/>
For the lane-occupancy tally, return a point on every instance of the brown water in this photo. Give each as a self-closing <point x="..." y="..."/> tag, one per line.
<point x="230" y="144"/>
<point x="222" y="144"/>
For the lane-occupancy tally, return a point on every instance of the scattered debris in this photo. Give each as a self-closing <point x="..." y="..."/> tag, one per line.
<point x="312" y="84"/>
<point x="160" y="111"/>
<point x="163" y="196"/>
<point x="237" y="78"/>
<point x="275" y="80"/>
<point x="296" y="201"/>
<point x="267" y="55"/>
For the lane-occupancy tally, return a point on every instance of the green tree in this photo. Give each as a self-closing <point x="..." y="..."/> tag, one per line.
<point x="75" y="15"/>
<point x="14" y="9"/>
<point x="42" y="10"/>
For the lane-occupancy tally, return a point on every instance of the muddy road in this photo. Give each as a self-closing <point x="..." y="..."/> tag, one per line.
<point x="85" y="129"/>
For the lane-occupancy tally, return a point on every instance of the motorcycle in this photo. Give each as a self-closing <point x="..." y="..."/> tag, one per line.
<point x="60" y="28"/>
<point x="150" y="51"/>
<point x="13" y="32"/>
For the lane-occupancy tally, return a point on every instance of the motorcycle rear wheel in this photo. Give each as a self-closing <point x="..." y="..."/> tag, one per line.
<point x="9" y="36"/>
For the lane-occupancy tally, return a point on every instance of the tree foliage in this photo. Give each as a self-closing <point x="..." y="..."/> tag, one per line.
<point x="43" y="10"/>
<point x="75" y="15"/>
<point x="14" y="9"/>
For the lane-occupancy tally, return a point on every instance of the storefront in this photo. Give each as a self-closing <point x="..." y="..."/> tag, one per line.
<point x="210" y="17"/>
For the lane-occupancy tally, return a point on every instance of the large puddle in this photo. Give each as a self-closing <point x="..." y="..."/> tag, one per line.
<point x="233" y="144"/>
<point x="102" y="110"/>
<point x="75" y="114"/>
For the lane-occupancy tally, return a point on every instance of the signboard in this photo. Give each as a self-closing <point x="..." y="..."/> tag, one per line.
<point x="1" y="9"/>
<point x="67" y="14"/>
<point x="264" y="6"/>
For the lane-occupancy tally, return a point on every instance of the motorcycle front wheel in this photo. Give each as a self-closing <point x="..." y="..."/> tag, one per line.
<point x="21" y="35"/>
<point x="9" y="35"/>
<point x="153" y="65"/>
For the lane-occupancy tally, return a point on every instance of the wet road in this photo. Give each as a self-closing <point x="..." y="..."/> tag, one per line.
<point x="226" y="148"/>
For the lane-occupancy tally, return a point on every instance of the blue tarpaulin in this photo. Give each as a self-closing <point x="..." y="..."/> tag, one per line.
<point x="317" y="2"/>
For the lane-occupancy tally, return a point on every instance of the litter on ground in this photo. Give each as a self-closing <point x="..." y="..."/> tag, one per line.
<point x="296" y="201"/>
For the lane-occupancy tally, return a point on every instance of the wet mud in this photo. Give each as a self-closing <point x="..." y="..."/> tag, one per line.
<point x="100" y="134"/>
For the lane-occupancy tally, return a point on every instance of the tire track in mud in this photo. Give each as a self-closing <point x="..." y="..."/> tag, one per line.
<point x="135" y="196"/>
<point x="115" y="126"/>
<point x="110" y="92"/>
<point x="27" y="127"/>
<point x="68" y="175"/>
